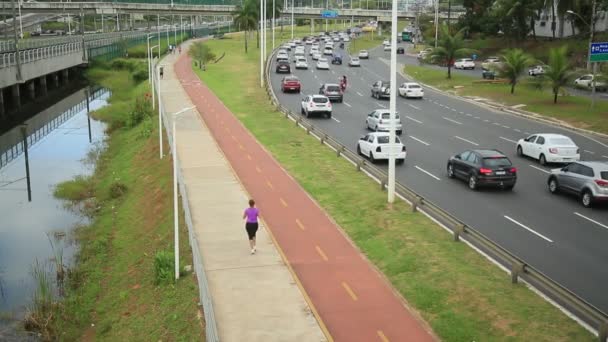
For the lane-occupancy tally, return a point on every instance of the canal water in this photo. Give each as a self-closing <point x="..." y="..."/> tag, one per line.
<point x="59" y="147"/>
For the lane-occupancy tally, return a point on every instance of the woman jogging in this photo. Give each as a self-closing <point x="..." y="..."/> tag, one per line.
<point x="251" y="224"/>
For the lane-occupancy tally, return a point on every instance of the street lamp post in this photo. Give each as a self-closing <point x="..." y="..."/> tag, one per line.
<point x="436" y="21"/>
<point x="149" y="63"/>
<point x="175" y="199"/>
<point x="160" y="111"/>
<point x="292" y="21"/>
<point x="153" y="85"/>
<point x="392" y="105"/>
<point x="20" y="23"/>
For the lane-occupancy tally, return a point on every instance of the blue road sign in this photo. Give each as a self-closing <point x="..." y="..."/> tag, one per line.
<point x="598" y="52"/>
<point x="329" y="14"/>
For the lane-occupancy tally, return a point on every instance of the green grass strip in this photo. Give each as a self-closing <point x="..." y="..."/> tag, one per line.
<point x="111" y="294"/>
<point x="463" y="296"/>
<point x="575" y="110"/>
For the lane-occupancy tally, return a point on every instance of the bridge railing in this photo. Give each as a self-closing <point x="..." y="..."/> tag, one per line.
<point x="32" y="55"/>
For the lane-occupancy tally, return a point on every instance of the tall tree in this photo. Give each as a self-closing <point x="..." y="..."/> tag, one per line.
<point x="245" y="17"/>
<point x="517" y="17"/>
<point x="559" y="70"/>
<point x="449" y="47"/>
<point x="201" y="53"/>
<point x="514" y="63"/>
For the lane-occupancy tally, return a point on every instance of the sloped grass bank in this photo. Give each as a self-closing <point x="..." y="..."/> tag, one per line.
<point x="462" y="295"/>
<point x="111" y="293"/>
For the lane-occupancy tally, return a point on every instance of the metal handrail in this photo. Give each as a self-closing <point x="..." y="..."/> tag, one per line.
<point x="584" y="310"/>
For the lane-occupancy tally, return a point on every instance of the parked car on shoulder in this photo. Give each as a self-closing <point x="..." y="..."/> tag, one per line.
<point x="483" y="168"/>
<point x="411" y="89"/>
<point x="586" y="179"/>
<point x="586" y="81"/>
<point x="316" y="105"/>
<point x="380" y="121"/>
<point x="487" y="74"/>
<point x="549" y="148"/>
<point x="291" y="83"/>
<point x="332" y="92"/>
<point x="490" y="63"/>
<point x="536" y="70"/>
<point x="464" y="63"/>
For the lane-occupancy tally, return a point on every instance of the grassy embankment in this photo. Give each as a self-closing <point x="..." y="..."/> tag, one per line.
<point x="462" y="295"/>
<point x="111" y="292"/>
<point x="575" y="110"/>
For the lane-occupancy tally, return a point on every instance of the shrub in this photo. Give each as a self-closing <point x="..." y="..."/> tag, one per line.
<point x="77" y="189"/>
<point x="141" y="110"/>
<point x="140" y="75"/>
<point x="117" y="189"/>
<point x="164" y="268"/>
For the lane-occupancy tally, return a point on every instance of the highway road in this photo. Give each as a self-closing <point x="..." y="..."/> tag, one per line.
<point x="553" y="233"/>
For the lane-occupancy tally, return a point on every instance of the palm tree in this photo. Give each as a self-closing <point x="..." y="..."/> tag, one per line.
<point x="449" y="47"/>
<point x="559" y="70"/>
<point x="246" y="18"/>
<point x="514" y="62"/>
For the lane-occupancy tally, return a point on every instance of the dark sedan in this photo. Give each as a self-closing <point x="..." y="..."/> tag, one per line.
<point x="283" y="67"/>
<point x="483" y="168"/>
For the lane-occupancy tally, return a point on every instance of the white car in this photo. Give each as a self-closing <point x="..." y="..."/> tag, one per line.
<point x="301" y="63"/>
<point x="336" y="39"/>
<point x="464" y="63"/>
<point x="313" y="50"/>
<point x="316" y="104"/>
<point x="586" y="81"/>
<point x="299" y="54"/>
<point x="322" y="63"/>
<point x="354" y="62"/>
<point x="363" y="54"/>
<point x="376" y="146"/>
<point x="292" y="44"/>
<point x="316" y="56"/>
<point x="386" y="42"/>
<point x="328" y="51"/>
<point x="411" y="89"/>
<point x="282" y="50"/>
<point x="549" y="148"/>
<point x="386" y="48"/>
<point x="380" y="121"/>
<point x="346" y="39"/>
<point x="308" y="41"/>
<point x="282" y="55"/>
<point x="536" y="70"/>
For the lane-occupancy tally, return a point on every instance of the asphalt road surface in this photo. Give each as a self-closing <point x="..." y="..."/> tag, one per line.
<point x="553" y="233"/>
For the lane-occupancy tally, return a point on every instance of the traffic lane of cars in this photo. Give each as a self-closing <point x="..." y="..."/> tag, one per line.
<point x="514" y="127"/>
<point x="508" y="233"/>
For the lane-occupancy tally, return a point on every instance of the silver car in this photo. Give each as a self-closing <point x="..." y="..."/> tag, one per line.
<point x="586" y="179"/>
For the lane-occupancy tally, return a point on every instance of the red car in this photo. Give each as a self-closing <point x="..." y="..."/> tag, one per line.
<point x="290" y="83"/>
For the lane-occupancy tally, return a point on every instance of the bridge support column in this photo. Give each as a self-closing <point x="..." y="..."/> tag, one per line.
<point x="31" y="89"/>
<point x="16" y="96"/>
<point x="65" y="75"/>
<point x="55" y="80"/>
<point x="43" y="88"/>
<point x="2" y="114"/>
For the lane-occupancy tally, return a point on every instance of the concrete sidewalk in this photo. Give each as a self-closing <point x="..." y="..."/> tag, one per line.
<point x="255" y="297"/>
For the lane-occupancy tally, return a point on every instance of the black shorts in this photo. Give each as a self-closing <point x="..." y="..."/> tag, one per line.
<point x="252" y="228"/>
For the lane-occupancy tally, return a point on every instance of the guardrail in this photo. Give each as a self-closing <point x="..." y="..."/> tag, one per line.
<point x="28" y="56"/>
<point x="520" y="270"/>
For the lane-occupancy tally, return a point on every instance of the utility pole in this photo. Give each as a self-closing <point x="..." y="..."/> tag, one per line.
<point x="592" y="27"/>
<point x="392" y="106"/>
<point x="17" y="54"/>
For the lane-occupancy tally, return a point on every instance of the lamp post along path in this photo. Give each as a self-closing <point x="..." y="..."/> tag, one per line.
<point x="392" y="105"/>
<point x="175" y="198"/>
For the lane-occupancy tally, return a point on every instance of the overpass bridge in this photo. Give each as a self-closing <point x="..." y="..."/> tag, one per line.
<point x="194" y="7"/>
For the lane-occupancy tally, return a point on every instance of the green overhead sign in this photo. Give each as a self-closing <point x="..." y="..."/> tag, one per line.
<point x="598" y="52"/>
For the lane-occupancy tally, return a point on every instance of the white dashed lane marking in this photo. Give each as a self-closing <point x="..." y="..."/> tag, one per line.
<point x="469" y="141"/>
<point x="454" y="121"/>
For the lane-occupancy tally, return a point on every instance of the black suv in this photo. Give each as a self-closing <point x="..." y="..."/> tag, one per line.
<point x="337" y="59"/>
<point x="381" y="89"/>
<point x="483" y="168"/>
<point x="283" y="67"/>
<point x="332" y="91"/>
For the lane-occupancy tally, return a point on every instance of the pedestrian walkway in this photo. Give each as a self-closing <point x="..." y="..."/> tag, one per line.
<point x="255" y="297"/>
<point x="352" y="299"/>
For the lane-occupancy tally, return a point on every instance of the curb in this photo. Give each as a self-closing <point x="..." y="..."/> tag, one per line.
<point x="506" y="109"/>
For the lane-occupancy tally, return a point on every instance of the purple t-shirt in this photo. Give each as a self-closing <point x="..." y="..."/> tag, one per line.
<point x="252" y="215"/>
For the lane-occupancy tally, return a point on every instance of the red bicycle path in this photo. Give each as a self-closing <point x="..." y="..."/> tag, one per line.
<point x="353" y="301"/>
